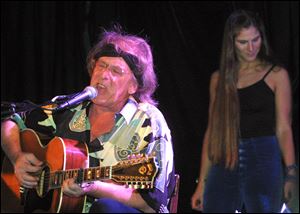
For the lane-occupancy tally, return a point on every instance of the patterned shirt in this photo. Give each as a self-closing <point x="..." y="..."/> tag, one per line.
<point x="139" y="128"/>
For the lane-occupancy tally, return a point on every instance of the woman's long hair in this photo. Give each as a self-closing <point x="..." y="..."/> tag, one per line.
<point x="224" y="130"/>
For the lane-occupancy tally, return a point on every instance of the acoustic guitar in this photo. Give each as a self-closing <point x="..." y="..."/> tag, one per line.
<point x="64" y="158"/>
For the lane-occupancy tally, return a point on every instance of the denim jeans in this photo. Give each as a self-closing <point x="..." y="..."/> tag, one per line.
<point x="106" y="205"/>
<point x="256" y="182"/>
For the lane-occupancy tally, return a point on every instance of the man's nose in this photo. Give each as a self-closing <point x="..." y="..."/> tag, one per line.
<point x="105" y="73"/>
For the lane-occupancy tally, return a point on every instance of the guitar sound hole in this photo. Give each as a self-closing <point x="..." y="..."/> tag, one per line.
<point x="44" y="182"/>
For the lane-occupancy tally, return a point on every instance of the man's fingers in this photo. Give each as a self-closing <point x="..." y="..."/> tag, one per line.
<point x="28" y="184"/>
<point x="33" y="160"/>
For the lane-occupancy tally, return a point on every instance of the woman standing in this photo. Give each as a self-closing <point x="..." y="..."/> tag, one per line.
<point x="249" y="130"/>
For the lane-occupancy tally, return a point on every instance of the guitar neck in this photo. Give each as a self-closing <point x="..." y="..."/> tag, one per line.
<point x="136" y="173"/>
<point x="82" y="175"/>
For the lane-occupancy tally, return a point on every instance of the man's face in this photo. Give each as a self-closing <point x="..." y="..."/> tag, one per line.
<point x="114" y="81"/>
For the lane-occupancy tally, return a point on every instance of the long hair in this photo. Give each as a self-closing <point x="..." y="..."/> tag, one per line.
<point x="137" y="47"/>
<point x="225" y="121"/>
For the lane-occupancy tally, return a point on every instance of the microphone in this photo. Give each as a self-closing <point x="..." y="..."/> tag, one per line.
<point x="88" y="93"/>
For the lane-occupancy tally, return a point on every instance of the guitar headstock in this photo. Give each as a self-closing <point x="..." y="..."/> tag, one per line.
<point x="137" y="173"/>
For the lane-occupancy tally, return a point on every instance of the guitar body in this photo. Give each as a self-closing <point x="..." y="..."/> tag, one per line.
<point x="59" y="154"/>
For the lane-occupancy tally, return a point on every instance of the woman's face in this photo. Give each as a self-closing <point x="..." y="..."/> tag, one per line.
<point x="247" y="44"/>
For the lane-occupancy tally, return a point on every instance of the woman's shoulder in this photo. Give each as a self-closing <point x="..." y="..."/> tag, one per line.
<point x="279" y="72"/>
<point x="215" y="77"/>
<point x="215" y="74"/>
<point x="279" y="69"/>
<point x="278" y="76"/>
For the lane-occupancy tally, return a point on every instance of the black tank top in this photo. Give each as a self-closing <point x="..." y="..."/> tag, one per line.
<point x="257" y="109"/>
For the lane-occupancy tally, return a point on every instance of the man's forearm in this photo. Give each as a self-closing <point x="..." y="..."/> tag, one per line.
<point x="10" y="140"/>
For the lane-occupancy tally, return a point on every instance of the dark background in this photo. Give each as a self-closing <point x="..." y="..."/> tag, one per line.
<point x="44" y="46"/>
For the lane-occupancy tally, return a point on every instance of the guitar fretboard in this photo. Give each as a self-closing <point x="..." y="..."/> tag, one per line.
<point x="82" y="175"/>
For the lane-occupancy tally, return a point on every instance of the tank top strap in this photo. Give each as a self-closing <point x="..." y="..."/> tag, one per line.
<point x="268" y="72"/>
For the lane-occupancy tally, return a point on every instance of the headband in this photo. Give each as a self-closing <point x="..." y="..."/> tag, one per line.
<point x="131" y="60"/>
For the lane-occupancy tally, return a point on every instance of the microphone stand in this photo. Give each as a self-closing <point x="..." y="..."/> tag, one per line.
<point x="10" y="108"/>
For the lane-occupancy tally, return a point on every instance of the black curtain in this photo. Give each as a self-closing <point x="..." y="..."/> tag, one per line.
<point x="44" y="45"/>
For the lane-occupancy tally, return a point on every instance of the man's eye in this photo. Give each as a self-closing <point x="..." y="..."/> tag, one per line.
<point x="102" y="65"/>
<point x="117" y="70"/>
